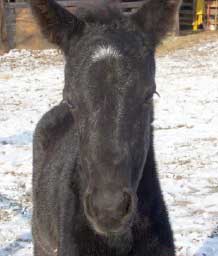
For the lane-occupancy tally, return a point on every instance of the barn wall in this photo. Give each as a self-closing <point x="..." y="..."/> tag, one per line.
<point x="27" y="34"/>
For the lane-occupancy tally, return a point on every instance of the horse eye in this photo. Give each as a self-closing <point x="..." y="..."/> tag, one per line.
<point x="148" y="100"/>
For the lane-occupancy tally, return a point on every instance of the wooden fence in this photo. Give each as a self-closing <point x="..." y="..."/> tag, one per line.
<point x="186" y="14"/>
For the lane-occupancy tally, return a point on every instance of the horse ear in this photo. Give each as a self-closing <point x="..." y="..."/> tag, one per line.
<point x="56" y="23"/>
<point x="157" y="17"/>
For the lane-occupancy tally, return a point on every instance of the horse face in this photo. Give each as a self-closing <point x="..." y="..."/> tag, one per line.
<point x="111" y="83"/>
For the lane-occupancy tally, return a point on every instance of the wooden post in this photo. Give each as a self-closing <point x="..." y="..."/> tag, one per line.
<point x="10" y="17"/>
<point x="216" y="15"/>
<point x="177" y="25"/>
<point x="3" y="32"/>
<point x="176" y="28"/>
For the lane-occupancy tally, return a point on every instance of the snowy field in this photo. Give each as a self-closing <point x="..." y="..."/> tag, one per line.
<point x="186" y="138"/>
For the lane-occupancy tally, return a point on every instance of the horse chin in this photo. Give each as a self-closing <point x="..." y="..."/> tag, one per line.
<point x="121" y="240"/>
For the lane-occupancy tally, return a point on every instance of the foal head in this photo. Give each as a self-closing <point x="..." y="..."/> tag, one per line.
<point x="109" y="83"/>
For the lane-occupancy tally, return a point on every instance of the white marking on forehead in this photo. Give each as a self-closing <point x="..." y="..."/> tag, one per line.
<point x="103" y="52"/>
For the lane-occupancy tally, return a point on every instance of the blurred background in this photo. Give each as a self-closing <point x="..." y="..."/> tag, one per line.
<point x="19" y="30"/>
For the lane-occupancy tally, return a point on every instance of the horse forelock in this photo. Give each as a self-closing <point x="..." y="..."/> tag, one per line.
<point x="103" y="52"/>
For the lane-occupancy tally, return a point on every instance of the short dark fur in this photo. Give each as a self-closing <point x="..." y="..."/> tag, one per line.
<point x="95" y="186"/>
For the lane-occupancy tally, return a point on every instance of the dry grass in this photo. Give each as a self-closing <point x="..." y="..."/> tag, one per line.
<point x="169" y="45"/>
<point x="185" y="40"/>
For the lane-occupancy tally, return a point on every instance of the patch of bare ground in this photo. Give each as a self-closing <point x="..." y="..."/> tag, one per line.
<point x="208" y="139"/>
<point x="31" y="60"/>
<point x="14" y="173"/>
<point x="4" y="215"/>
<point x="182" y="203"/>
<point x="213" y="189"/>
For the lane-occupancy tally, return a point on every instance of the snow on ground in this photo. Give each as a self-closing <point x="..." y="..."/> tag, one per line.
<point x="186" y="141"/>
